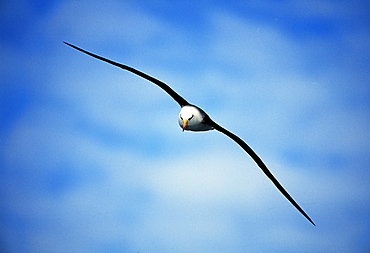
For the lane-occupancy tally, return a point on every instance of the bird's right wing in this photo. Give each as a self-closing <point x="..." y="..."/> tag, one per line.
<point x="260" y="163"/>
<point x="180" y="100"/>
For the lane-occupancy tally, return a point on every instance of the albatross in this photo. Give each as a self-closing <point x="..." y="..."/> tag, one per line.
<point x="193" y="118"/>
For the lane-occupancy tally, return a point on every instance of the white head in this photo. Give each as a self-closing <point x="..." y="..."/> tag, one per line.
<point x="191" y="118"/>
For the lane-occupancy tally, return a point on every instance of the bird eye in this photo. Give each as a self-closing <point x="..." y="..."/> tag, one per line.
<point x="181" y="117"/>
<point x="191" y="117"/>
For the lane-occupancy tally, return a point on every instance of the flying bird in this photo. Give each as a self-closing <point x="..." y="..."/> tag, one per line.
<point x="193" y="118"/>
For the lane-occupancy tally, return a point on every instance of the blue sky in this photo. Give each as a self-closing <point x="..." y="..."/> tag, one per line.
<point x="92" y="157"/>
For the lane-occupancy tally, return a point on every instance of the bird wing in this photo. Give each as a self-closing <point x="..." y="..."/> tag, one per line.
<point x="260" y="163"/>
<point x="180" y="100"/>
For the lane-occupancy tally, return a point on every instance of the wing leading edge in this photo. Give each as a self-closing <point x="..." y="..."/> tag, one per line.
<point x="180" y="100"/>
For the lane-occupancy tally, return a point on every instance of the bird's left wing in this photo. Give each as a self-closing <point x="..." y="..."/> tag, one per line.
<point x="260" y="163"/>
<point x="180" y="100"/>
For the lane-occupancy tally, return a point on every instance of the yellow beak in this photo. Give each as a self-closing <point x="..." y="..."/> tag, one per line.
<point x="184" y="124"/>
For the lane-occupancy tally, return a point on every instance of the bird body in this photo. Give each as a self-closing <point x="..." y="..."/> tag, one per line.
<point x="194" y="118"/>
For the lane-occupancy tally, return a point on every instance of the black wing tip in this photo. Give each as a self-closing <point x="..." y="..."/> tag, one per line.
<point x="71" y="45"/>
<point x="307" y="217"/>
<point x="313" y="223"/>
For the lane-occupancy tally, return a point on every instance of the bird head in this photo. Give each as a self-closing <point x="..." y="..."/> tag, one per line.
<point x="185" y="118"/>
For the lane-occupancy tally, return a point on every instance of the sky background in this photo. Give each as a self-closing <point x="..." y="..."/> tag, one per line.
<point x="92" y="158"/>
